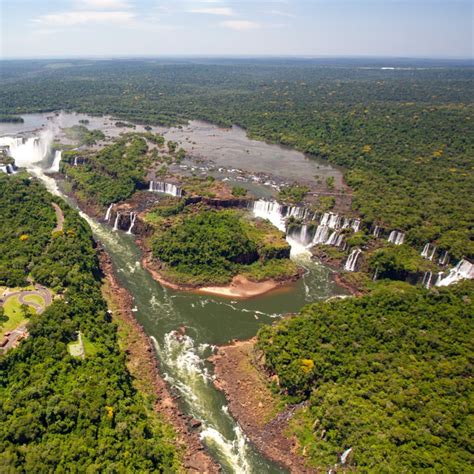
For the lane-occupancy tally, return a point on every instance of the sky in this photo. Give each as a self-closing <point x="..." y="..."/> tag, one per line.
<point x="109" y="28"/>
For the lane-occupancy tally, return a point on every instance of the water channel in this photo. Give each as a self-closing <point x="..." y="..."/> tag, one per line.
<point x="208" y="320"/>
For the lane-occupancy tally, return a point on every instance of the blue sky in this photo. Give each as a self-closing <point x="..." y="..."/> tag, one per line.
<point x="70" y="28"/>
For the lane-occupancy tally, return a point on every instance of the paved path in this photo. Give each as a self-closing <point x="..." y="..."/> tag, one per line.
<point x="40" y="291"/>
<point x="59" y="217"/>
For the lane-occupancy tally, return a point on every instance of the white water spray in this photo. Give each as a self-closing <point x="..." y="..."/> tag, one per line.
<point x="133" y="218"/>
<point x="463" y="270"/>
<point x="107" y="214"/>
<point x="351" y="261"/>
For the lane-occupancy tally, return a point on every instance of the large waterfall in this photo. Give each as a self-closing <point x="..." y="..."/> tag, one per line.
<point x="165" y="188"/>
<point x="463" y="270"/>
<point x="28" y="151"/>
<point x="270" y="210"/>
<point x="351" y="261"/>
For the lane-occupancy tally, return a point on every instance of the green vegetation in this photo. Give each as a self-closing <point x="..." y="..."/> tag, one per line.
<point x="13" y="315"/>
<point x="398" y="262"/>
<point x="83" y="136"/>
<point x="58" y="412"/>
<point x="293" y="194"/>
<point x="24" y="238"/>
<point x="388" y="374"/>
<point x="203" y="247"/>
<point x="405" y="137"/>
<point x="110" y="175"/>
<point x="239" y="191"/>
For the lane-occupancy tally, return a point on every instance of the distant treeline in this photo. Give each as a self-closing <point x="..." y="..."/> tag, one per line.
<point x="404" y="135"/>
<point x="10" y="119"/>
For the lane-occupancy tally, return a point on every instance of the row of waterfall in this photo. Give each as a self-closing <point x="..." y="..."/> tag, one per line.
<point x="165" y="188"/>
<point x="429" y="252"/>
<point x="463" y="270"/>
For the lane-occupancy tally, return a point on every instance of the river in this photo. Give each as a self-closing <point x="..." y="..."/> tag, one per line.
<point x="209" y="321"/>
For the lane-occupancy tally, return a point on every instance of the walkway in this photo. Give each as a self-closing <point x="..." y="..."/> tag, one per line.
<point x="59" y="218"/>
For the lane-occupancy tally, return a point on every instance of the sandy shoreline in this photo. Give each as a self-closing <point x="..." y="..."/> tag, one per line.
<point x="255" y="407"/>
<point x="239" y="288"/>
<point x="143" y="365"/>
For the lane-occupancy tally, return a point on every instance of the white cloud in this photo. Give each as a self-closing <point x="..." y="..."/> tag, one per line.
<point x="80" y="17"/>
<point x="103" y="4"/>
<point x="240" y="25"/>
<point x="223" y="11"/>
<point x="282" y="13"/>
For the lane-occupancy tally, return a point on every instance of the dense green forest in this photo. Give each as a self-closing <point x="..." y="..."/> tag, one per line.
<point x="405" y="136"/>
<point x="206" y="246"/>
<point x="59" y="413"/>
<point x="388" y="374"/>
<point x="109" y="175"/>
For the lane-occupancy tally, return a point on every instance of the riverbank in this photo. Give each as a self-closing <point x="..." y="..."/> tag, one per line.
<point x="251" y="402"/>
<point x="239" y="288"/>
<point x="143" y="366"/>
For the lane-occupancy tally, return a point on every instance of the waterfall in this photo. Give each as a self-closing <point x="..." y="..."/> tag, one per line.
<point x="396" y="237"/>
<point x="107" y="214"/>
<point x="133" y="218"/>
<point x="376" y="232"/>
<point x="339" y="241"/>
<point x="426" y="249"/>
<point x="332" y="238"/>
<point x="345" y="455"/>
<point x="376" y="274"/>
<point x="427" y="280"/>
<point x="116" y="223"/>
<point x="463" y="270"/>
<point x="321" y="235"/>
<point x="30" y="150"/>
<point x="57" y="160"/>
<point x="165" y="188"/>
<point x="75" y="161"/>
<point x="432" y="253"/>
<point x="7" y="169"/>
<point x="444" y="258"/>
<point x="271" y="211"/>
<point x="351" y="262"/>
<point x="356" y="225"/>
<point x="346" y="223"/>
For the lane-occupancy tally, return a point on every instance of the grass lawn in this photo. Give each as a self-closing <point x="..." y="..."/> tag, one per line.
<point x="15" y="315"/>
<point x="76" y="348"/>
<point x="35" y="299"/>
